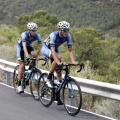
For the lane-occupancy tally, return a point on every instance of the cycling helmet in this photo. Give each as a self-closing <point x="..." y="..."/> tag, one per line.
<point x="63" y="25"/>
<point x="32" y="26"/>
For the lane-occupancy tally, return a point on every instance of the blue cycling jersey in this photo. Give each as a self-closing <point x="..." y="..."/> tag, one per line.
<point x="54" y="40"/>
<point x="25" y="37"/>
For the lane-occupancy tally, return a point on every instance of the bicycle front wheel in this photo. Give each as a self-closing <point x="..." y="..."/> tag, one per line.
<point x="15" y="78"/>
<point x="44" y="92"/>
<point x="34" y="83"/>
<point x="72" y="97"/>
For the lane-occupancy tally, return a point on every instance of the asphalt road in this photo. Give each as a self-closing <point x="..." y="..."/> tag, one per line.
<point x="15" y="106"/>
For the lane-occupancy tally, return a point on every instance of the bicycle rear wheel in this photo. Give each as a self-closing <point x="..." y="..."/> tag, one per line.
<point x="72" y="97"/>
<point x="15" y="78"/>
<point x="34" y="83"/>
<point x="44" y="92"/>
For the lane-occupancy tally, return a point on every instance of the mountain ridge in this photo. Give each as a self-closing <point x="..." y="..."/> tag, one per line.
<point x="102" y="14"/>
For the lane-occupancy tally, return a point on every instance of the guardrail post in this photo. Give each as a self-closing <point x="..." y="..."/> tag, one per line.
<point x="8" y="78"/>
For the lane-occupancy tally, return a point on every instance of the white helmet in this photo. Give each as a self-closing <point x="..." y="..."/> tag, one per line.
<point x="32" y="26"/>
<point x="63" y="25"/>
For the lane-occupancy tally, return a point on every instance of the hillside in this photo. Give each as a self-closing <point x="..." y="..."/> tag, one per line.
<point x="103" y="14"/>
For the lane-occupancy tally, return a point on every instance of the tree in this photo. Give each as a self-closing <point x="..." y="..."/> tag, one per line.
<point x="88" y="44"/>
<point x="41" y="17"/>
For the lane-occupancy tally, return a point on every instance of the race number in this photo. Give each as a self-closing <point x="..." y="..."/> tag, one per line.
<point x="47" y="41"/>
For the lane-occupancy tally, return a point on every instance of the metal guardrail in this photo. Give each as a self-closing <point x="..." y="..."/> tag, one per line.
<point x="93" y="87"/>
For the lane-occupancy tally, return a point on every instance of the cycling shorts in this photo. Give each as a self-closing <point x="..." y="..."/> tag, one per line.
<point x="47" y="52"/>
<point x="20" y="52"/>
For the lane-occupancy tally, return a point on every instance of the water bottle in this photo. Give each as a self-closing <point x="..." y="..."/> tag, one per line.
<point x="28" y="73"/>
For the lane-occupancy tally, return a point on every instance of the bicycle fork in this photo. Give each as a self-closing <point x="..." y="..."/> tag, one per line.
<point x="71" y="93"/>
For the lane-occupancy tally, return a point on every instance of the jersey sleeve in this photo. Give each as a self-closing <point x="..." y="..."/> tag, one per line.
<point x="52" y="39"/>
<point x="24" y="37"/>
<point x="39" y="39"/>
<point x="69" y="41"/>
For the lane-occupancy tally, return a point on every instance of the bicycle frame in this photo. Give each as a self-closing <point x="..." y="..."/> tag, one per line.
<point x="31" y="68"/>
<point x="67" y="74"/>
<point x="66" y="77"/>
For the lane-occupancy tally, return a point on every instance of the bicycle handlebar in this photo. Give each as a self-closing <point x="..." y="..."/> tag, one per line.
<point x="43" y="60"/>
<point x="80" y="64"/>
<point x="35" y="59"/>
<point x="81" y="67"/>
<point x="71" y="64"/>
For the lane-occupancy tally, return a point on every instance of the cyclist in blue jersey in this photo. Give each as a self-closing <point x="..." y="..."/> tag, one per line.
<point x="24" y="47"/>
<point x="50" y="49"/>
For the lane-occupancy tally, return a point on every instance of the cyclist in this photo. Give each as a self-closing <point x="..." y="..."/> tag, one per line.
<point x="24" y="47"/>
<point x="50" y="49"/>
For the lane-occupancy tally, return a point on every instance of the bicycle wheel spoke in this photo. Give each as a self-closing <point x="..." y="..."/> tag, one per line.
<point x="45" y="93"/>
<point x="72" y="97"/>
<point x="34" y="83"/>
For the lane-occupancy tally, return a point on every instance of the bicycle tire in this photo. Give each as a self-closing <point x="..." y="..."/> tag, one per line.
<point x="34" y="83"/>
<point x="72" y="97"/>
<point x="44" y="92"/>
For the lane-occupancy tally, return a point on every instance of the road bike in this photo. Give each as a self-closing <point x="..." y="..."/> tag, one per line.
<point x="30" y="77"/>
<point x="69" y="87"/>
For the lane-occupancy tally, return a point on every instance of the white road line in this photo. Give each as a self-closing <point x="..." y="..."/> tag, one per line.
<point x="12" y="87"/>
<point x="98" y="115"/>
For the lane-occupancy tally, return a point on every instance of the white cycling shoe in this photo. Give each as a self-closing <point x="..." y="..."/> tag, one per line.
<point x="49" y="83"/>
<point x="56" y="82"/>
<point x="20" y="89"/>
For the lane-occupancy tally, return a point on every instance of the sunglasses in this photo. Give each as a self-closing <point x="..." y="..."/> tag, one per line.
<point x="65" y="30"/>
<point x="33" y="30"/>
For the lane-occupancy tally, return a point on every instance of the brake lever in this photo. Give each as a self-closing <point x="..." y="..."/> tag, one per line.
<point x="44" y="64"/>
<point x="81" y="67"/>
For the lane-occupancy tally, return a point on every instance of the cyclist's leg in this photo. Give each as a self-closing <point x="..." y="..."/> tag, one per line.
<point x="20" y="55"/>
<point x="33" y="54"/>
<point x="47" y="53"/>
<point x="58" y="99"/>
<point x="58" y="72"/>
<point x="59" y="77"/>
<point x="21" y="68"/>
<point x="20" y="72"/>
<point x="53" y="63"/>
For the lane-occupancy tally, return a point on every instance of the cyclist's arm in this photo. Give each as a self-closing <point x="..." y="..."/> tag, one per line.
<point x="39" y="41"/>
<point x="54" y="55"/>
<point x="40" y="47"/>
<point x="72" y="56"/>
<point x="25" y="49"/>
<point x="69" y="42"/>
